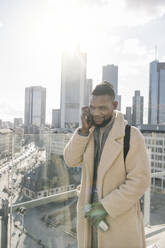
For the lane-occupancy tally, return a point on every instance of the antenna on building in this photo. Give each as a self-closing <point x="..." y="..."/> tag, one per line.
<point x="156" y="52"/>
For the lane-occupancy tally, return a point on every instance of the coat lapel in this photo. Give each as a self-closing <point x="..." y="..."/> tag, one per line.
<point x="89" y="164"/>
<point x="112" y="148"/>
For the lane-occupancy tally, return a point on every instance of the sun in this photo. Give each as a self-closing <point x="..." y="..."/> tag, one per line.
<point x="74" y="29"/>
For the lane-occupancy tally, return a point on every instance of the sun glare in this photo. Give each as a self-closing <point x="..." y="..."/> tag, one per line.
<point x="75" y="28"/>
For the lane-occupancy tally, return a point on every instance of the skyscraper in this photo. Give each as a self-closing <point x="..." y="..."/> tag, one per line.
<point x="110" y="74"/>
<point x="56" y="118"/>
<point x="118" y="98"/>
<point x="137" y="106"/>
<point x="128" y="115"/>
<point x="73" y="79"/>
<point x="18" y="122"/>
<point x="35" y="106"/>
<point x="156" y="109"/>
<point x="87" y="91"/>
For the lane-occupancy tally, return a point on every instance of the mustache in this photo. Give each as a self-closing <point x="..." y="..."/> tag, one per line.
<point x="104" y="122"/>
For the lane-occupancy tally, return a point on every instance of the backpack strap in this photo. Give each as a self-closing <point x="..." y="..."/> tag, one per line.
<point x="126" y="149"/>
<point x="126" y="140"/>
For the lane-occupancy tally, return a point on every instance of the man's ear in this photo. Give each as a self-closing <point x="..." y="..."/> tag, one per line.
<point x="115" y="104"/>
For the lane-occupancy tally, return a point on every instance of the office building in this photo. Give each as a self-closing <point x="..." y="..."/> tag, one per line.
<point x="118" y="98"/>
<point x="5" y="143"/>
<point x="156" y="109"/>
<point x="73" y="80"/>
<point x="137" y="107"/>
<point x="110" y="74"/>
<point x="128" y="115"/>
<point x="18" y="122"/>
<point x="56" y="118"/>
<point x="87" y="91"/>
<point x="155" y="143"/>
<point x="35" y="106"/>
<point x="7" y="124"/>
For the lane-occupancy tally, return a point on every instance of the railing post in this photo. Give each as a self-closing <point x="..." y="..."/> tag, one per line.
<point x="4" y="224"/>
<point x="147" y="207"/>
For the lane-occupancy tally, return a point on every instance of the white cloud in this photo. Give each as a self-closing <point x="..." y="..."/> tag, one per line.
<point x="136" y="52"/>
<point x="149" y="6"/>
<point x="7" y="112"/>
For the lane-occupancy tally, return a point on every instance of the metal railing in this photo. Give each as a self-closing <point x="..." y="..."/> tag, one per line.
<point x="147" y="199"/>
<point x="6" y="209"/>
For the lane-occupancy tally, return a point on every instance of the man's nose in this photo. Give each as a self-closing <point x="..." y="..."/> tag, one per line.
<point x="96" y="113"/>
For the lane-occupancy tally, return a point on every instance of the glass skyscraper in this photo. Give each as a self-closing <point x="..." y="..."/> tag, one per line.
<point x="156" y="110"/>
<point x="110" y="74"/>
<point x="35" y="106"/>
<point x="73" y="81"/>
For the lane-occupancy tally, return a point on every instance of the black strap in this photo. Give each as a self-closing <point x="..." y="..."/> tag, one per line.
<point x="126" y="140"/>
<point x="126" y="149"/>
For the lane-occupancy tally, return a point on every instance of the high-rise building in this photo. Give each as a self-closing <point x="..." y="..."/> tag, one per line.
<point x="87" y="91"/>
<point x="18" y="122"/>
<point x="156" y="109"/>
<point x="73" y="80"/>
<point x="110" y="74"/>
<point x="5" y="143"/>
<point x="118" y="98"/>
<point x="35" y="106"/>
<point x="128" y="115"/>
<point x="7" y="124"/>
<point x="137" y="107"/>
<point x="56" y="118"/>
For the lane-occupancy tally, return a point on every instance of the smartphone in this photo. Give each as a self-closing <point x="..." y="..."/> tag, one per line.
<point x="89" y="118"/>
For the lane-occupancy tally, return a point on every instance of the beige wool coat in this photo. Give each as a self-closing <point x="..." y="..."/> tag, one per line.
<point x="119" y="190"/>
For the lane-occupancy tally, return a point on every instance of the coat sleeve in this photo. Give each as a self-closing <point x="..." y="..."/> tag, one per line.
<point x="74" y="150"/>
<point x="137" y="180"/>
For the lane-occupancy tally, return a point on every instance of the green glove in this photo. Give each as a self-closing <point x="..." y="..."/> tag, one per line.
<point x="96" y="214"/>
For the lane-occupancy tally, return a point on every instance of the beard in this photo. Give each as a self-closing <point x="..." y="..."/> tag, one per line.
<point x="104" y="123"/>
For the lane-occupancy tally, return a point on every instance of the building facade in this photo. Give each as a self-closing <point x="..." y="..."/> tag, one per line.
<point x="156" y="108"/>
<point x="18" y="122"/>
<point x="56" y="118"/>
<point x="35" y="107"/>
<point x="73" y="80"/>
<point x="87" y="91"/>
<point x="6" y="143"/>
<point x="137" y="107"/>
<point x="155" y="143"/>
<point x="128" y="115"/>
<point x="110" y="74"/>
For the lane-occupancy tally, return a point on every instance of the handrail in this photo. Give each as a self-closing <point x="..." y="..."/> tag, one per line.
<point x="44" y="200"/>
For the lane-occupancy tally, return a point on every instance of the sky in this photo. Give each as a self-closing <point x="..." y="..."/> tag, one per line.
<point x="33" y="34"/>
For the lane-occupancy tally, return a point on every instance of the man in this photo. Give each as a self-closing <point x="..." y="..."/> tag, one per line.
<point x="111" y="186"/>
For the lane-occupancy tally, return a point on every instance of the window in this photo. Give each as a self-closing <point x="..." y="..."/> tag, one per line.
<point x="158" y="182"/>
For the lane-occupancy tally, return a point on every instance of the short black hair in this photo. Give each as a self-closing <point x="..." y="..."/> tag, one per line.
<point x="105" y="88"/>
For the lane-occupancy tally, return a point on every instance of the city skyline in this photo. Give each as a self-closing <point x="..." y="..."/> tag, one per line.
<point x="34" y="34"/>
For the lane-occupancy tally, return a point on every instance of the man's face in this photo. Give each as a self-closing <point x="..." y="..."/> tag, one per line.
<point x="101" y="108"/>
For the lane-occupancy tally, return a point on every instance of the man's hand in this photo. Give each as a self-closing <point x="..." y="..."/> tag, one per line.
<point x="86" y="119"/>
<point x="96" y="214"/>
